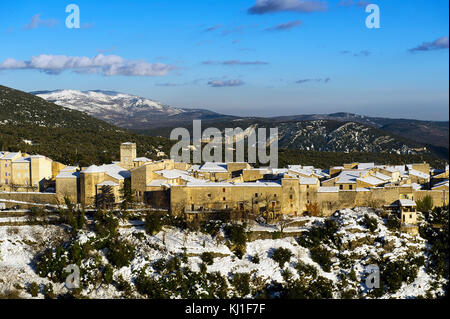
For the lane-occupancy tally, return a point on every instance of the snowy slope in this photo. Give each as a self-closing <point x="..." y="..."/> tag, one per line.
<point x="99" y="102"/>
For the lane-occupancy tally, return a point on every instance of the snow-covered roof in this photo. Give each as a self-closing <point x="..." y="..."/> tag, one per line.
<point x="440" y="184"/>
<point x="68" y="175"/>
<point x="328" y="189"/>
<point x="308" y="180"/>
<point x="22" y="160"/>
<point x="10" y="156"/>
<point x="418" y="174"/>
<point x="142" y="159"/>
<point x="371" y="180"/>
<point x="390" y="169"/>
<point x="157" y="183"/>
<point x="113" y="170"/>
<point x="350" y="177"/>
<point x="407" y="202"/>
<point x="69" y="168"/>
<point x="366" y="165"/>
<point x="213" y="167"/>
<point x="381" y="176"/>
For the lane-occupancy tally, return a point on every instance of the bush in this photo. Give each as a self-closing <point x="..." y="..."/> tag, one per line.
<point x="255" y="259"/>
<point x="207" y="258"/>
<point x="105" y="225"/>
<point x="369" y="222"/>
<point x="318" y="234"/>
<point x="237" y="234"/>
<point x="323" y="257"/>
<point x="305" y="270"/>
<point x="425" y="204"/>
<point x="239" y="252"/>
<point x="108" y="274"/>
<point x="48" y="292"/>
<point x="276" y="235"/>
<point x="159" y="265"/>
<point x="33" y="289"/>
<point x="153" y="224"/>
<point x="120" y="253"/>
<point x="241" y="282"/>
<point x="393" y="222"/>
<point x="282" y="256"/>
<point x="123" y="285"/>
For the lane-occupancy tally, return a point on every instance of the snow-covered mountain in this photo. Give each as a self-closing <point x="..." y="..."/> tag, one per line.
<point x="124" y="110"/>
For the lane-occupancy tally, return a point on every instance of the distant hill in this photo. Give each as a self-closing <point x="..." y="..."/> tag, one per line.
<point x="125" y="110"/>
<point x="325" y="136"/>
<point x="435" y="133"/>
<point x="34" y="125"/>
<point x="157" y="119"/>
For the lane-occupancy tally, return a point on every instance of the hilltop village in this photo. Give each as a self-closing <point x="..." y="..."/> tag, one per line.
<point x="214" y="187"/>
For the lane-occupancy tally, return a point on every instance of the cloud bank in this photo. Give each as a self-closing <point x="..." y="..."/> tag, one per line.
<point x="107" y="65"/>
<point x="438" y="44"/>
<point x="272" y="6"/>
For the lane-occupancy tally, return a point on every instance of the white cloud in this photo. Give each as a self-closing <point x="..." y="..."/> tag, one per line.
<point x="37" y="22"/>
<point x="271" y="6"/>
<point x="107" y="65"/>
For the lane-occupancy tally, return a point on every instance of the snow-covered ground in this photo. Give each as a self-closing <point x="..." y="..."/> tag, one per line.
<point x="20" y="244"/>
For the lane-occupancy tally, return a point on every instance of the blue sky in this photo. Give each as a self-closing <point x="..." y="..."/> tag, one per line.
<point x="242" y="57"/>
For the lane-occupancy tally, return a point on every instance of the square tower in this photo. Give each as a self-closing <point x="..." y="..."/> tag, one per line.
<point x="127" y="154"/>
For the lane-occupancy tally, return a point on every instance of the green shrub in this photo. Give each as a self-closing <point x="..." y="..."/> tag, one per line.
<point x="153" y="224"/>
<point x="108" y="274"/>
<point x="241" y="282"/>
<point x="393" y="222"/>
<point x="236" y="233"/>
<point x="305" y="270"/>
<point x="120" y="253"/>
<point x="255" y="259"/>
<point x="276" y="235"/>
<point x="159" y="265"/>
<point x="33" y="289"/>
<point x="282" y="256"/>
<point x="207" y="258"/>
<point x="369" y="222"/>
<point x="48" y="291"/>
<point x="425" y="204"/>
<point x="322" y="256"/>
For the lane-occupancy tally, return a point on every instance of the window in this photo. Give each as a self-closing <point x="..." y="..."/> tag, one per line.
<point x="290" y="196"/>
<point x="256" y="194"/>
<point x="341" y="186"/>
<point x="350" y="186"/>
<point x="307" y="186"/>
<point x="209" y="195"/>
<point x="224" y="199"/>
<point x="223" y="190"/>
